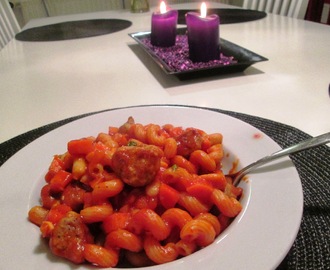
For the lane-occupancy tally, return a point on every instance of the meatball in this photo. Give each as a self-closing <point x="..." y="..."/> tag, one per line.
<point x="188" y="142"/>
<point x="69" y="236"/>
<point x="137" y="166"/>
<point x="73" y="196"/>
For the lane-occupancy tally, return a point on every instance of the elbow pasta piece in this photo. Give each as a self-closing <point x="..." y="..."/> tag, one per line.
<point x="233" y="191"/>
<point x="150" y="221"/>
<point x="198" y="230"/>
<point x="176" y="217"/>
<point x="79" y="168"/>
<point x="217" y="180"/>
<point x="96" y="213"/>
<point x="95" y="168"/>
<point x="107" y="140"/>
<point x="172" y="130"/>
<point x="107" y="189"/>
<point x="200" y="190"/>
<point x="152" y="189"/>
<point x="100" y="256"/>
<point x="158" y="253"/>
<point x="185" y="248"/>
<point x="228" y="206"/>
<point x="138" y="132"/>
<point x="138" y="194"/>
<point x="202" y="160"/>
<point x="192" y="204"/>
<point x="123" y="239"/>
<point x="174" y="174"/>
<point x="213" y="220"/>
<point x="215" y="138"/>
<point x="170" y="148"/>
<point x="216" y="153"/>
<point x="37" y="214"/>
<point x="154" y="135"/>
<point x="47" y="200"/>
<point x="182" y="162"/>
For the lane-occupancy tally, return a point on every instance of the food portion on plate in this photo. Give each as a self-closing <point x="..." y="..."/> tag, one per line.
<point x="137" y="195"/>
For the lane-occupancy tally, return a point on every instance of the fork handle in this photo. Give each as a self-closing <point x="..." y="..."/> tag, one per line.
<point x="304" y="145"/>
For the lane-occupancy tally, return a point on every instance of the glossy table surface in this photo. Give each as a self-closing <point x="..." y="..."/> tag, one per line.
<point x="43" y="82"/>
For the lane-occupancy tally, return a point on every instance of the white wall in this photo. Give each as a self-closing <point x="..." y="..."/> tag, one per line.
<point x="26" y="10"/>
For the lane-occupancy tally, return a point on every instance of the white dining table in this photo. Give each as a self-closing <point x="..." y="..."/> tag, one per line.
<point x="43" y="82"/>
<point x="288" y="96"/>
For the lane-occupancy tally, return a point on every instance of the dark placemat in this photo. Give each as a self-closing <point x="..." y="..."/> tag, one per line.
<point x="227" y="15"/>
<point x="73" y="30"/>
<point x="311" y="248"/>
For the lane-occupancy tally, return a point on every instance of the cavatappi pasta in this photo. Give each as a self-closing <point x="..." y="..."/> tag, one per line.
<point x="138" y="195"/>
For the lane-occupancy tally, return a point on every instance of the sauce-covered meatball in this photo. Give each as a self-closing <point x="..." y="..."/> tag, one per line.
<point x="188" y="142"/>
<point x="69" y="236"/>
<point x="137" y="166"/>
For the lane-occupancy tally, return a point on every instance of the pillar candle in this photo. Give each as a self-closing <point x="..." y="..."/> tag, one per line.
<point x="163" y="27"/>
<point x="203" y="36"/>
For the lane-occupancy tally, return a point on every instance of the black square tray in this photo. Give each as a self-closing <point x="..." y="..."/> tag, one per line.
<point x="244" y="58"/>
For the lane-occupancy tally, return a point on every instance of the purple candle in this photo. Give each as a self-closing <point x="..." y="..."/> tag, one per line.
<point x="203" y="36"/>
<point x="163" y="27"/>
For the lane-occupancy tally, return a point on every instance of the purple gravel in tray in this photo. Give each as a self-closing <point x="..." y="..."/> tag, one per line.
<point x="177" y="56"/>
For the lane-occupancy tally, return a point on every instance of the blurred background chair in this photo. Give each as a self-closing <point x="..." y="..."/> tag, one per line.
<point x="61" y="7"/>
<point x="318" y="11"/>
<point x="290" y="8"/>
<point x="8" y="23"/>
<point x="31" y="9"/>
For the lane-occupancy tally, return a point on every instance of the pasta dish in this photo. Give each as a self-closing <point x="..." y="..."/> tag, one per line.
<point x="138" y="195"/>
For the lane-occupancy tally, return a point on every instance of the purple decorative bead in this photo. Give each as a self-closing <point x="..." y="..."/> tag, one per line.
<point x="177" y="56"/>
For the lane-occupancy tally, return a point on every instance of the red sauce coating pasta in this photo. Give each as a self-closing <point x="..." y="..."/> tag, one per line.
<point x="137" y="195"/>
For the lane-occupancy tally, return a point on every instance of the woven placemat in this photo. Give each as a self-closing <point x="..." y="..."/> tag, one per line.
<point x="227" y="15"/>
<point x="73" y="30"/>
<point x="311" y="249"/>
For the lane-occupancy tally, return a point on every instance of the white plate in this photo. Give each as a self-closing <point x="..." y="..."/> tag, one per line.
<point x="259" y="238"/>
